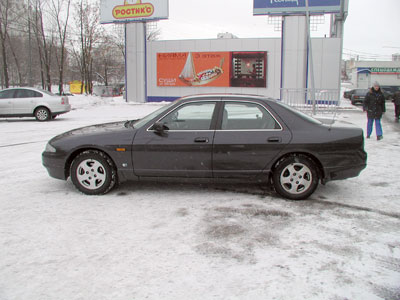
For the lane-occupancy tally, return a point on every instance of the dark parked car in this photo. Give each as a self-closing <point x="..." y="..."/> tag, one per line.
<point x="389" y="90"/>
<point x="347" y="94"/>
<point x="211" y="138"/>
<point x="358" y="96"/>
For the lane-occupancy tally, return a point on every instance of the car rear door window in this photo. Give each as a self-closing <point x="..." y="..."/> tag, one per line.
<point x="22" y="93"/>
<point x="191" y="116"/>
<point x="247" y="116"/>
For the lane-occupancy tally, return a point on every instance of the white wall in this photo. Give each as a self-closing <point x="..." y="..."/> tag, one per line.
<point x="272" y="46"/>
<point x="326" y="59"/>
<point x="294" y="52"/>
<point x="135" y="62"/>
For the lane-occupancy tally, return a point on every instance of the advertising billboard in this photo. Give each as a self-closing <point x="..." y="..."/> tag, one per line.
<point x="295" y="7"/>
<point x="124" y="11"/>
<point x="212" y="69"/>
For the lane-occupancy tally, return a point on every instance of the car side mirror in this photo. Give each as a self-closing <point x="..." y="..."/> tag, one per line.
<point x="159" y="127"/>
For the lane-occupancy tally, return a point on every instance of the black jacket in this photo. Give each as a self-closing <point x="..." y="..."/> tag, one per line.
<point x="374" y="104"/>
<point x="396" y="98"/>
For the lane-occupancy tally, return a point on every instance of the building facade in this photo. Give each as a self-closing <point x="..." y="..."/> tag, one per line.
<point x="250" y="66"/>
<point x="364" y="73"/>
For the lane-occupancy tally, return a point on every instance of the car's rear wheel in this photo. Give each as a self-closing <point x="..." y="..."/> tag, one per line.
<point x="42" y="114"/>
<point x="93" y="173"/>
<point x="295" y="177"/>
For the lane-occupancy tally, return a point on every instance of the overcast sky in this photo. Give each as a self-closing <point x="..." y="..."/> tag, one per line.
<point x="372" y="26"/>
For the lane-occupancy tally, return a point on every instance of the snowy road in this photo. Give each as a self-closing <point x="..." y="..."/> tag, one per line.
<point x="172" y="241"/>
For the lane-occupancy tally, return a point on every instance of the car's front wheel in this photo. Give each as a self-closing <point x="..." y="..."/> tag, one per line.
<point x="42" y="114"/>
<point x="295" y="177"/>
<point x="93" y="173"/>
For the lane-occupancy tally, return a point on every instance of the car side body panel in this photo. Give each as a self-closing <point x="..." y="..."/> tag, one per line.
<point x="112" y="138"/>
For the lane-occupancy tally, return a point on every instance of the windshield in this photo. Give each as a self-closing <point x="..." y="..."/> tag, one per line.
<point x="300" y="114"/>
<point x="151" y="116"/>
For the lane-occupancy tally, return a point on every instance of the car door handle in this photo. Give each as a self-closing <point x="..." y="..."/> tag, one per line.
<point x="201" y="140"/>
<point x="274" y="139"/>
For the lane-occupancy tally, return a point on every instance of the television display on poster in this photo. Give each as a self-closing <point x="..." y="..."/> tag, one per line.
<point x="296" y="7"/>
<point x="125" y="11"/>
<point x="212" y="69"/>
<point x="248" y="69"/>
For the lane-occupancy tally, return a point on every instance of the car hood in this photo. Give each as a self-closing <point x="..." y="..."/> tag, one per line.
<point x="94" y="130"/>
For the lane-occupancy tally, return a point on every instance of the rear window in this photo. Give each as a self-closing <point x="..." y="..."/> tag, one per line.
<point x="46" y="92"/>
<point x="300" y="114"/>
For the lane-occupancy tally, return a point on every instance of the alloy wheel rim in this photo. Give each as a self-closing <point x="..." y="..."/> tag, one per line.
<point x="296" y="178"/>
<point x="91" y="174"/>
<point x="42" y="114"/>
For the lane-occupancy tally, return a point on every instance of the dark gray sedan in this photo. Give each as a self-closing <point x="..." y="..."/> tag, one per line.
<point x="211" y="138"/>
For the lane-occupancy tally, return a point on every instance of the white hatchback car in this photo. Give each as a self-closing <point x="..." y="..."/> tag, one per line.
<point x="32" y="102"/>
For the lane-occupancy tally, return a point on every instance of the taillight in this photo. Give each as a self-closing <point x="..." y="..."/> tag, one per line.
<point x="64" y="100"/>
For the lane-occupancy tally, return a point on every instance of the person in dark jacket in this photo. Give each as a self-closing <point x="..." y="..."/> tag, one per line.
<point x="374" y="105"/>
<point x="396" y="101"/>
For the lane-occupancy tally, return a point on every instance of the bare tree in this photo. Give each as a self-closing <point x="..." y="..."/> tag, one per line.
<point x="153" y="35"/>
<point x="108" y="60"/>
<point x="117" y="37"/>
<point x="89" y="33"/>
<point x="60" y="11"/>
<point x="16" y="59"/>
<point x="45" y="42"/>
<point x="5" y="7"/>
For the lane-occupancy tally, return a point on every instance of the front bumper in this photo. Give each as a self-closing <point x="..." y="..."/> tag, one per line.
<point x="55" y="165"/>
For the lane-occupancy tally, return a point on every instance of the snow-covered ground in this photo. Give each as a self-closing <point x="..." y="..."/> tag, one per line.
<point x="172" y="241"/>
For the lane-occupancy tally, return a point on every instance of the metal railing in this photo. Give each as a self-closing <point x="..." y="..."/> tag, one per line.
<point x="312" y="102"/>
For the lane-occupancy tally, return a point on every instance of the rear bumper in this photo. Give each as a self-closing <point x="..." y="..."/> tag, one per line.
<point x="54" y="164"/>
<point x="61" y="109"/>
<point x="339" y="173"/>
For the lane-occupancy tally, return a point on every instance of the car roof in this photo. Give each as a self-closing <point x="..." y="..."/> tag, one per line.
<point x="23" y="88"/>
<point x="225" y="96"/>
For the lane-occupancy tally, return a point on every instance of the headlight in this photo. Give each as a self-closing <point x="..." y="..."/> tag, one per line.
<point x="50" y="148"/>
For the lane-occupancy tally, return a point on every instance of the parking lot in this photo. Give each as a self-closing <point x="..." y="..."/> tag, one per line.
<point x="188" y="241"/>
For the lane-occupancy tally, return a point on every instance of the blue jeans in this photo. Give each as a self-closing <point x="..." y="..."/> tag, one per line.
<point x="378" y="127"/>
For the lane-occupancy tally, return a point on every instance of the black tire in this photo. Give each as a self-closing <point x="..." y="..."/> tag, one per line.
<point x="295" y="177"/>
<point x="42" y="114"/>
<point x="93" y="173"/>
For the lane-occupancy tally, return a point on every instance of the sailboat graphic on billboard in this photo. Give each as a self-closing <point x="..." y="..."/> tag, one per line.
<point x="191" y="78"/>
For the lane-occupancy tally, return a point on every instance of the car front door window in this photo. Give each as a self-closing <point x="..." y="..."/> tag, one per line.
<point x="192" y="116"/>
<point x="7" y="94"/>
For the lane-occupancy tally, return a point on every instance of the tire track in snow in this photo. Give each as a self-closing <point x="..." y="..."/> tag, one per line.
<point x="21" y="144"/>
